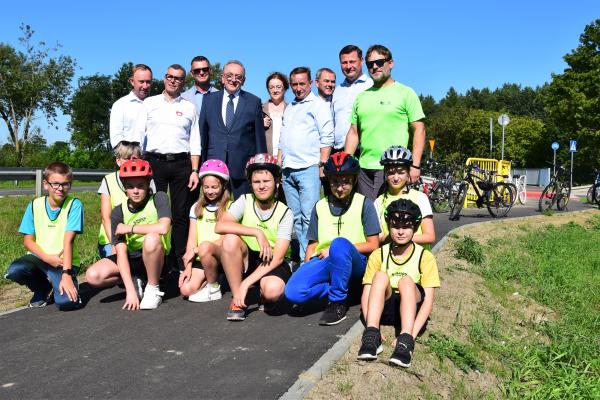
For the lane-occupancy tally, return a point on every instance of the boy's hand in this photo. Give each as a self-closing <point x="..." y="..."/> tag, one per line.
<point x="185" y="276"/>
<point x="122" y="229"/>
<point x="266" y="254"/>
<point x="54" y="260"/>
<point x="66" y="286"/>
<point x="323" y="253"/>
<point x="188" y="257"/>
<point x="240" y="299"/>
<point x="132" y="302"/>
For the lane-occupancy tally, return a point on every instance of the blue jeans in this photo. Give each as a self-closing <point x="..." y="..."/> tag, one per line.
<point x="302" y="188"/>
<point x="329" y="276"/>
<point x="34" y="273"/>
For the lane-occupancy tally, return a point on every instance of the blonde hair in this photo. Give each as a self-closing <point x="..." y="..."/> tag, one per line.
<point x="222" y="202"/>
<point x="126" y="151"/>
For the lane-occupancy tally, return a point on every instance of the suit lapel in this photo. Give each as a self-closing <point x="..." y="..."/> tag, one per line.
<point x="239" y="110"/>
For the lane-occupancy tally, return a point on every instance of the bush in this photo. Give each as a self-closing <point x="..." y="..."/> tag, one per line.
<point x="470" y="250"/>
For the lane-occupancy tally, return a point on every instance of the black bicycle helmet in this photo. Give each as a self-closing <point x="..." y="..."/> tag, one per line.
<point x="403" y="210"/>
<point x="341" y="163"/>
<point x="263" y="161"/>
<point x="396" y="155"/>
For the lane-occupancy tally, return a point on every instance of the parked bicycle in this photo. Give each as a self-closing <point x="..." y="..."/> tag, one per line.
<point x="498" y="197"/>
<point x="593" y="193"/>
<point x="557" y="192"/>
<point x="443" y="188"/>
<point x="520" y="182"/>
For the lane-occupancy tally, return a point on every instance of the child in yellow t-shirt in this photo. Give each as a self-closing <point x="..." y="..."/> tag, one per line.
<point x="399" y="281"/>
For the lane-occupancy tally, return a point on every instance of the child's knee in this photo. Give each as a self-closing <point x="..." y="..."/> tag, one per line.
<point x="231" y="243"/>
<point x="92" y="276"/>
<point x="406" y="283"/>
<point x="152" y="242"/>
<point x="339" y="245"/>
<point x="296" y="293"/>
<point x="272" y="291"/>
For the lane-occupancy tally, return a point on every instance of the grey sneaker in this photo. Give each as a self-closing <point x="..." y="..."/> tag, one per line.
<point x="41" y="298"/>
<point x="235" y="313"/>
<point x="370" y="344"/>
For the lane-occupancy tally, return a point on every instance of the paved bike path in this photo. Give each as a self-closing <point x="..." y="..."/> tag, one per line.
<point x="181" y="350"/>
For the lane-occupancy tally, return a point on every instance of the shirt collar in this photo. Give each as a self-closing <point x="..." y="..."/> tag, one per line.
<point x="133" y="97"/>
<point x="236" y="94"/>
<point x="176" y="100"/>
<point x="311" y="97"/>
<point x="360" y="79"/>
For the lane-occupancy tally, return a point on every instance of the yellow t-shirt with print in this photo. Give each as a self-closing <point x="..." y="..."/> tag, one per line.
<point x="429" y="276"/>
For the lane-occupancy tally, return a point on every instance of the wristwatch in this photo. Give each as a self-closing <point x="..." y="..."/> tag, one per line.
<point x="321" y="163"/>
<point x="195" y="170"/>
<point x="67" y="271"/>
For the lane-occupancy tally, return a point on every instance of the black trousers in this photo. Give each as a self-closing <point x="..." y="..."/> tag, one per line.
<point x="172" y="177"/>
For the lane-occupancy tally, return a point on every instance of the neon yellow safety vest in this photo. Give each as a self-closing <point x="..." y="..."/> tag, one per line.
<point x="117" y="196"/>
<point x="410" y="267"/>
<point x="268" y="226"/>
<point x="348" y="225"/>
<point x="50" y="234"/>
<point x="384" y="201"/>
<point x="148" y="215"/>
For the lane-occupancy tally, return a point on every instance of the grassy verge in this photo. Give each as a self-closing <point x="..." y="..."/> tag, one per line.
<point x="517" y="316"/>
<point x="11" y="242"/>
<point x="31" y="184"/>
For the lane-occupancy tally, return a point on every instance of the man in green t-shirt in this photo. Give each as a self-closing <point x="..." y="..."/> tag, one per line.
<point x="380" y="118"/>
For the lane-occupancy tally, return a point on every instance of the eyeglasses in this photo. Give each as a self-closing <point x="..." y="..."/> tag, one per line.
<point x="62" y="185"/>
<point x="335" y="183"/>
<point x="172" y="78"/>
<point x="199" y="71"/>
<point x="233" y="77"/>
<point x="278" y="87"/>
<point x="379" y="62"/>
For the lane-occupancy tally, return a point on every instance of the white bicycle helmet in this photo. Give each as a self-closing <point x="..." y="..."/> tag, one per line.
<point x="396" y="155"/>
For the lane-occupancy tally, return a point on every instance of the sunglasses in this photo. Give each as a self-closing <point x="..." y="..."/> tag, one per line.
<point x="379" y="62"/>
<point x="198" y="71"/>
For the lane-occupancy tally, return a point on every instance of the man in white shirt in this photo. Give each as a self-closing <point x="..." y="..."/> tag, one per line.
<point x="351" y="62"/>
<point x="304" y="146"/>
<point x="124" y="111"/>
<point x="168" y="126"/>
<point x="200" y="70"/>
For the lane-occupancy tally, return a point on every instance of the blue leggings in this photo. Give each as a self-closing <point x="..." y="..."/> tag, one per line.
<point x="34" y="273"/>
<point x="329" y="276"/>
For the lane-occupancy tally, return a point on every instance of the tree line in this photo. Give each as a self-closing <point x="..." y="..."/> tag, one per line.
<point x="36" y="82"/>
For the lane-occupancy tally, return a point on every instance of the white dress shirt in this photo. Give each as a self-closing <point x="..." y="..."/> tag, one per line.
<point x="123" y="116"/>
<point x="341" y="106"/>
<point x="236" y="100"/>
<point x="168" y="127"/>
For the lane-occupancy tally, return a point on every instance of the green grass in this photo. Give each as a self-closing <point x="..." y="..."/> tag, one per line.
<point x="11" y="242"/>
<point x="558" y="267"/>
<point x="461" y="354"/>
<point x="469" y="249"/>
<point x="31" y="184"/>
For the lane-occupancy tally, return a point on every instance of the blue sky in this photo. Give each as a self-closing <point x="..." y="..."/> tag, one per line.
<point x="436" y="44"/>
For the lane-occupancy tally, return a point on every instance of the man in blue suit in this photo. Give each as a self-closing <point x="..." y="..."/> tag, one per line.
<point x="231" y="126"/>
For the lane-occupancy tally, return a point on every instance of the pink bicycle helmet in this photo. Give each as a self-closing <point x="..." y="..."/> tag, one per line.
<point x="214" y="167"/>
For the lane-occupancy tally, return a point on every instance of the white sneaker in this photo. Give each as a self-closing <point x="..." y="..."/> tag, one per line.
<point x="152" y="298"/>
<point x="210" y="292"/>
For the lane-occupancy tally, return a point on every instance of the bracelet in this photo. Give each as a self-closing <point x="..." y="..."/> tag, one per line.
<point x="132" y="228"/>
<point x="195" y="170"/>
<point x="67" y="271"/>
<point x="415" y="166"/>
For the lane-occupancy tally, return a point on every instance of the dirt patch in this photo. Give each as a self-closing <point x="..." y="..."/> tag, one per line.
<point x="461" y="304"/>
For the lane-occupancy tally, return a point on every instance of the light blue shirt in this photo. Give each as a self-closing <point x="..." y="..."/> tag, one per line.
<point x="307" y="127"/>
<point x="196" y="96"/>
<point x="341" y="105"/>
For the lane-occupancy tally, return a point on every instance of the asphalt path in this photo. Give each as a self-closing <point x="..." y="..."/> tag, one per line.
<point x="182" y="350"/>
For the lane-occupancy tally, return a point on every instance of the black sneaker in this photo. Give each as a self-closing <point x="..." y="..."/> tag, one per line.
<point x="334" y="314"/>
<point x="41" y="298"/>
<point x="371" y="344"/>
<point x="402" y="355"/>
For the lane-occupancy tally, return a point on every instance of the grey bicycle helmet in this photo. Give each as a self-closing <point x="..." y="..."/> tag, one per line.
<point x="396" y="155"/>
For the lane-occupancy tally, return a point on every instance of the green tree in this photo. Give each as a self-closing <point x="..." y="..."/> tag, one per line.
<point x="31" y="81"/>
<point x="572" y="101"/>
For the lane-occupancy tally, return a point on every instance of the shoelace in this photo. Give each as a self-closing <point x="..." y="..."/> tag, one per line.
<point x="370" y="339"/>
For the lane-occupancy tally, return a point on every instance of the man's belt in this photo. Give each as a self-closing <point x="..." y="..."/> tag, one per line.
<point x="167" y="157"/>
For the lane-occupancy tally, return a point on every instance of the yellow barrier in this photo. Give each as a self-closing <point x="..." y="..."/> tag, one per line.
<point x="501" y="168"/>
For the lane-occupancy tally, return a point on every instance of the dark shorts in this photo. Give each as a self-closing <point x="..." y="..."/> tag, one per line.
<point x="391" y="308"/>
<point x="283" y="271"/>
<point x="136" y="264"/>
